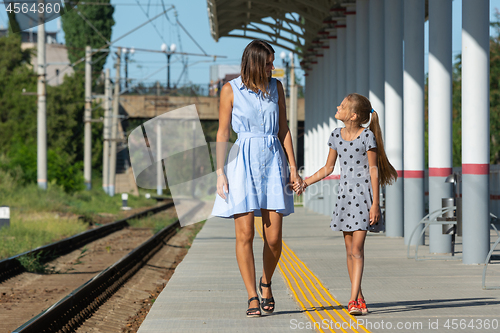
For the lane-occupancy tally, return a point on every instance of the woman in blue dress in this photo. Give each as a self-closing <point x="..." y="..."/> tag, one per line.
<point x="255" y="180"/>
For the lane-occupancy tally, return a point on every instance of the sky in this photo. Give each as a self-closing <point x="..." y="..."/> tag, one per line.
<point x="193" y="15"/>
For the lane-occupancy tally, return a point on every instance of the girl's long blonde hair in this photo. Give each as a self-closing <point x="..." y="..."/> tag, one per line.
<point x="361" y="106"/>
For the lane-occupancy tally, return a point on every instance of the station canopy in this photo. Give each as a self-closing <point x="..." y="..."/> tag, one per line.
<point x="301" y="26"/>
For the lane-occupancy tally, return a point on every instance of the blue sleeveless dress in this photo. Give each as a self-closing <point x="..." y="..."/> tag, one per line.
<point x="256" y="167"/>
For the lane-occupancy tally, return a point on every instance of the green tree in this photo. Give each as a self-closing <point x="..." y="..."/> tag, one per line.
<point x="79" y="34"/>
<point x="457" y="112"/>
<point x="16" y="109"/>
<point x="18" y="119"/>
<point x="495" y="93"/>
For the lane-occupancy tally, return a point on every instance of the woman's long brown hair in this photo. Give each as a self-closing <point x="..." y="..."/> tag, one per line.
<point x="253" y="65"/>
<point x="361" y="106"/>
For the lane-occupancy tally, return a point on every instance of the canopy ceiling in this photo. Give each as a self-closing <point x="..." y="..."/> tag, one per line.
<point x="301" y="26"/>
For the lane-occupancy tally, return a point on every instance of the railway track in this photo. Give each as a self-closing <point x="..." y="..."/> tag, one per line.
<point x="79" y="306"/>
<point x="11" y="266"/>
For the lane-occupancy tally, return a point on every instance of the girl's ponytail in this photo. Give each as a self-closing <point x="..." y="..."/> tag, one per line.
<point x="386" y="172"/>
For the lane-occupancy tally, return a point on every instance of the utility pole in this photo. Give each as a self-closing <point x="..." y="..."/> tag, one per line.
<point x="107" y="130"/>
<point x="42" y="104"/>
<point x="159" y="167"/>
<point x="87" y="151"/>
<point x="114" y="126"/>
<point x="293" y="106"/>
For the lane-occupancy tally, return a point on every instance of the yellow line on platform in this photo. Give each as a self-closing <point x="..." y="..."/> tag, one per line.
<point x="308" y="289"/>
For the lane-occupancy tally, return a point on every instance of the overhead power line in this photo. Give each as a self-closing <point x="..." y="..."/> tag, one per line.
<point x="80" y="3"/>
<point x="106" y="45"/>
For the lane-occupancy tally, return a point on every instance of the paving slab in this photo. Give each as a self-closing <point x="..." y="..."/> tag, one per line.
<point x="206" y="292"/>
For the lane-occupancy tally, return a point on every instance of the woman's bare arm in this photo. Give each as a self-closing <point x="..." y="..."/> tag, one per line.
<point x="324" y="171"/>
<point x="223" y="133"/>
<point x="284" y="134"/>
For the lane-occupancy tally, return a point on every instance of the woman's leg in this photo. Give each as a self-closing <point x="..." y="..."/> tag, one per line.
<point x="272" y="223"/>
<point x="357" y="257"/>
<point x="244" y="227"/>
<point x="348" y="236"/>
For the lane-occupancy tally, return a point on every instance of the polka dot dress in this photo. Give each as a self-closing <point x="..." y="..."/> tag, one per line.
<point x="354" y="197"/>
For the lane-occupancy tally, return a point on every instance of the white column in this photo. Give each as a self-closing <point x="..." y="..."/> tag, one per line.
<point x="317" y="128"/>
<point x="475" y="130"/>
<point x="314" y="132"/>
<point x="332" y="85"/>
<point x="350" y="15"/>
<point x="293" y="106"/>
<point x="341" y="60"/>
<point x="325" y="122"/>
<point x="362" y="47"/>
<point x="319" y="125"/>
<point x="307" y="119"/>
<point x="333" y="180"/>
<point x="440" y="116"/>
<point x="376" y="60"/>
<point x="394" y="113"/>
<point x="414" y="76"/>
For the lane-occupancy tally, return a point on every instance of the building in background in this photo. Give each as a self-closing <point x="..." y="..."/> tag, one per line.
<point x="221" y="74"/>
<point x="56" y="54"/>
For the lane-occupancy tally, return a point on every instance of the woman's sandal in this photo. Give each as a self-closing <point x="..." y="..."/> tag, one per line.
<point x="251" y="311"/>
<point x="362" y="306"/>
<point x="353" y="308"/>
<point x="266" y="301"/>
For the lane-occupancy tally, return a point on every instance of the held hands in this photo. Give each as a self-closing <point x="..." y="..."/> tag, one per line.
<point x="297" y="183"/>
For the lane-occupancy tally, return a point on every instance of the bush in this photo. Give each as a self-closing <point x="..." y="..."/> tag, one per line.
<point x="61" y="169"/>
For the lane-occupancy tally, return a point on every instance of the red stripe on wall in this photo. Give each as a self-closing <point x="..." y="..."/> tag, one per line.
<point x="476" y="169"/>
<point x="400" y="174"/>
<point x="413" y="174"/>
<point x="440" y="172"/>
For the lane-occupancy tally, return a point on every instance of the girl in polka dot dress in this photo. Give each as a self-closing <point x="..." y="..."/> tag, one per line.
<point x="364" y="167"/>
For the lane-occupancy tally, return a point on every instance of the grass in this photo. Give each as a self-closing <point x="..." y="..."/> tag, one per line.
<point x="31" y="230"/>
<point x="32" y="199"/>
<point x="154" y="222"/>
<point x="41" y="217"/>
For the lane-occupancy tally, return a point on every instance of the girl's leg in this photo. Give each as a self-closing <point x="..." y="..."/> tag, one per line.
<point x="357" y="257"/>
<point x="272" y="223"/>
<point x="244" y="227"/>
<point x="348" y="240"/>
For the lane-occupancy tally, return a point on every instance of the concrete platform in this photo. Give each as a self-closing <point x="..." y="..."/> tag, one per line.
<point x="206" y="292"/>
